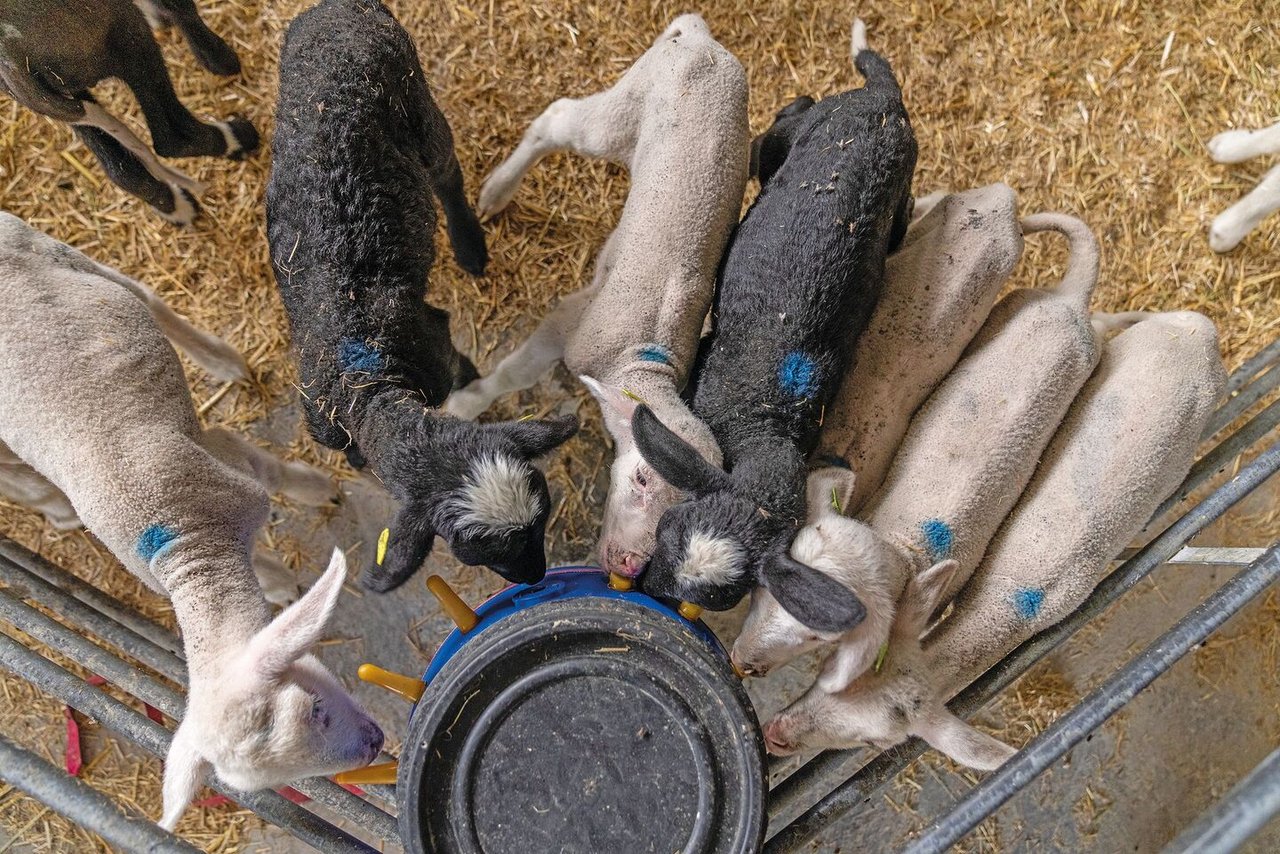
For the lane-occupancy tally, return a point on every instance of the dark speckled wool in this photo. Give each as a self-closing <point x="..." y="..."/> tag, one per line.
<point x="797" y="286"/>
<point x="359" y="149"/>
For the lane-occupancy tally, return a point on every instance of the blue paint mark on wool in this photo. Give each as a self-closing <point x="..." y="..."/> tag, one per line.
<point x="798" y="376"/>
<point x="937" y="537"/>
<point x="1027" y="602"/>
<point x="655" y="353"/>
<point x="153" y="539"/>
<point x="356" y="355"/>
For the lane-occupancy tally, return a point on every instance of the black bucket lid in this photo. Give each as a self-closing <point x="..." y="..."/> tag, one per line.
<point x="584" y="725"/>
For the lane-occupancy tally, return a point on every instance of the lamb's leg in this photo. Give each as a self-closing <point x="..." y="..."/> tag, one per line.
<point x="96" y="117"/>
<point x="23" y="484"/>
<point x="130" y="174"/>
<point x="441" y="162"/>
<point x="209" y="48"/>
<point x="298" y="481"/>
<point x="175" y="132"/>
<point x="600" y="125"/>
<point x="769" y="150"/>
<point x="1231" y="226"/>
<point x="278" y="583"/>
<point x="529" y="362"/>
<point x="1236" y="146"/>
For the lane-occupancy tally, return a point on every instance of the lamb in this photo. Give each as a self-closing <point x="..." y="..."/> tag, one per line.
<point x="53" y="52"/>
<point x="678" y="121"/>
<point x="798" y="283"/>
<point x="1127" y="442"/>
<point x="94" y="402"/>
<point x="968" y="454"/>
<point x="359" y="149"/>
<point x="939" y="288"/>
<point x="1236" y="146"/>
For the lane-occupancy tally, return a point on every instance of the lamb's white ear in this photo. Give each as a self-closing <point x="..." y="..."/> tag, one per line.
<point x="922" y="598"/>
<point x="292" y="634"/>
<point x="616" y="407"/>
<point x="950" y="735"/>
<point x="185" y="771"/>
<point x="828" y="491"/>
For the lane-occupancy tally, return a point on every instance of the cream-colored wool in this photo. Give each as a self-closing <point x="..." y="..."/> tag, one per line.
<point x="1127" y="442"/>
<point x="968" y="453"/>
<point x="939" y="287"/>
<point x="678" y="121"/>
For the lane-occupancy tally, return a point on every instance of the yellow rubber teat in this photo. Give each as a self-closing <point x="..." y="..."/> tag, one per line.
<point x="620" y="582"/>
<point x="690" y="611"/>
<point x="383" y="774"/>
<point x="382" y="545"/>
<point x="737" y="671"/>
<point x="457" y="610"/>
<point x="406" y="686"/>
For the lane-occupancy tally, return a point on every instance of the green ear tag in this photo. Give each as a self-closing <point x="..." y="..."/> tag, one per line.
<point x="835" y="500"/>
<point x="881" y="657"/>
<point x="631" y="394"/>
<point x="382" y="544"/>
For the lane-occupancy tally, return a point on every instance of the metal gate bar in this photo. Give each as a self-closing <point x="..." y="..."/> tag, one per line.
<point x="351" y="807"/>
<point x="821" y="772"/>
<point x="83" y="804"/>
<point x="1103" y="702"/>
<point x="152" y="737"/>
<point x="1230" y="823"/>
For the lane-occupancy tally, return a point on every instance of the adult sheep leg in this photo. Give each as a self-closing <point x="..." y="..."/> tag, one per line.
<point x="599" y="125"/>
<point x="1232" y="225"/>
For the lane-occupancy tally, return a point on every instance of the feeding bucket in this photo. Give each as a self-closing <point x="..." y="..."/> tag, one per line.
<point x="573" y="716"/>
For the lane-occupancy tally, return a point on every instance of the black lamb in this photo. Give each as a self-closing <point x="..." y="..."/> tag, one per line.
<point x="359" y="149"/>
<point x="797" y="286"/>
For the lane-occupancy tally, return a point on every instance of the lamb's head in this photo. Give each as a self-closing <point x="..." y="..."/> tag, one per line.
<point x="475" y="486"/>
<point x="713" y="549"/>
<point x="845" y="550"/>
<point x="885" y="707"/>
<point x="638" y="495"/>
<point x="271" y="713"/>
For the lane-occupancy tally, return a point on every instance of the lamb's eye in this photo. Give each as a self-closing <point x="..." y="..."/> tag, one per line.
<point x="641" y="480"/>
<point x="318" y="713"/>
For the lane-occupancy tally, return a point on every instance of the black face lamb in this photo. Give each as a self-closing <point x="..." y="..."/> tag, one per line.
<point x="797" y="286"/>
<point x="359" y="149"/>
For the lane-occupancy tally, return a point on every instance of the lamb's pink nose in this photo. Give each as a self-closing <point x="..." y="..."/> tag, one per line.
<point x="774" y="740"/>
<point x="632" y="564"/>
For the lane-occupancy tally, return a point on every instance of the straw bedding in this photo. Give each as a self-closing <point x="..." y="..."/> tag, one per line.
<point x="1098" y="108"/>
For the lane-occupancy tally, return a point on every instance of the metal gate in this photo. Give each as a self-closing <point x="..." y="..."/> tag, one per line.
<point x="827" y="788"/>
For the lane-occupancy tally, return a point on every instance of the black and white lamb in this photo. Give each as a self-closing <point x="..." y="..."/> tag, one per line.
<point x="359" y="148"/>
<point x="800" y="279"/>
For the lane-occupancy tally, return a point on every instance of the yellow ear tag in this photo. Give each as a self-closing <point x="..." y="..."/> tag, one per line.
<point x="382" y="545"/>
<point x="835" y="500"/>
<point x="881" y="657"/>
<point x="631" y="394"/>
<point x="384" y="775"/>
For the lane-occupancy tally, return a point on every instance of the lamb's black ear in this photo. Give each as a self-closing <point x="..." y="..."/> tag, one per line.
<point x="535" y="438"/>
<point x="672" y="457"/>
<point x="401" y="549"/>
<point x="813" y="598"/>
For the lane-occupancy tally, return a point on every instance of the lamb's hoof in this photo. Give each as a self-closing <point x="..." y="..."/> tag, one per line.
<point x="185" y="207"/>
<point x="1231" y="146"/>
<point x="495" y="195"/>
<point x="242" y="137"/>
<point x="472" y="259"/>
<point x="218" y="58"/>
<point x="1225" y="237"/>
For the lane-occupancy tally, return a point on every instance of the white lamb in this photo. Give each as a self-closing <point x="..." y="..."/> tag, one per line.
<point x="678" y="121"/>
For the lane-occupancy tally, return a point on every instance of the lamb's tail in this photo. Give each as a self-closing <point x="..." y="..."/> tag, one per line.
<point x="1082" y="264"/>
<point x="210" y="352"/>
<point x="871" y="65"/>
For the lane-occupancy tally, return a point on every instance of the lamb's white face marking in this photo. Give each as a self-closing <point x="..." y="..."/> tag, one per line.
<point x="498" y="496"/>
<point x="711" y="560"/>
